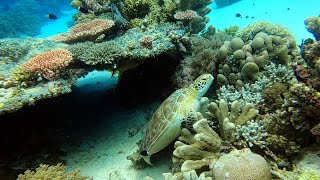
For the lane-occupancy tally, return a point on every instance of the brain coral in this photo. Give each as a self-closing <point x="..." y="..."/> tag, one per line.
<point x="241" y="165"/>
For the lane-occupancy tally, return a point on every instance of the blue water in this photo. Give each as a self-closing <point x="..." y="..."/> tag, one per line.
<point x="20" y="18"/>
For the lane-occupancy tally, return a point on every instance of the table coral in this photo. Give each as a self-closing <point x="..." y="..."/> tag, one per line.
<point x="88" y="31"/>
<point x="49" y="64"/>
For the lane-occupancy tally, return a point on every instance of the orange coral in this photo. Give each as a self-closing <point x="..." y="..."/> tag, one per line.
<point x="49" y="63"/>
<point x="85" y="31"/>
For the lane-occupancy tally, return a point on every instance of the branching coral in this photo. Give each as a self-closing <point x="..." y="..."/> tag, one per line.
<point x="251" y="134"/>
<point x="49" y="64"/>
<point x="229" y="118"/>
<point x="186" y="15"/>
<point x="88" y="31"/>
<point x="248" y="93"/>
<point x="196" y="151"/>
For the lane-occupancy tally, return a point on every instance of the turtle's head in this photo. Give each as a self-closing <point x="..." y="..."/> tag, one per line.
<point x="201" y="85"/>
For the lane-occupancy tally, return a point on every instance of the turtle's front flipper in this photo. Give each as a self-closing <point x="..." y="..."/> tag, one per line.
<point x="146" y="156"/>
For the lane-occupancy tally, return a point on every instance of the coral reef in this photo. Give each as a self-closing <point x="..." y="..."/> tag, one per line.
<point x="127" y="51"/>
<point x="49" y="64"/>
<point x="204" y="58"/>
<point x="228" y="119"/>
<point x="88" y="31"/>
<point x="145" y="12"/>
<point x="57" y="172"/>
<point x="313" y="26"/>
<point x="247" y="56"/>
<point x="21" y="87"/>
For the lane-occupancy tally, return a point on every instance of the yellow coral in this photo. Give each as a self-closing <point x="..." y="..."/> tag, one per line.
<point x="309" y="175"/>
<point x="46" y="172"/>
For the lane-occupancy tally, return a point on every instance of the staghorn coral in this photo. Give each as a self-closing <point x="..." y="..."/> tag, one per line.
<point x="88" y="31"/>
<point x="49" y="64"/>
<point x="57" y="172"/>
<point x="229" y="118"/>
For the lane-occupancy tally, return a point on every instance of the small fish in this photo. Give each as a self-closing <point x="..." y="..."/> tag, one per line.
<point x="238" y="15"/>
<point x="52" y="16"/>
<point x="83" y="10"/>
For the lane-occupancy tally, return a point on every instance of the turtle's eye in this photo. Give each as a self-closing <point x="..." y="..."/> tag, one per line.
<point x="144" y="153"/>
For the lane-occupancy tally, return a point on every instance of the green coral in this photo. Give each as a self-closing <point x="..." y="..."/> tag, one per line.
<point x="313" y="26"/>
<point x="249" y="70"/>
<point x="106" y="53"/>
<point x="12" y="50"/>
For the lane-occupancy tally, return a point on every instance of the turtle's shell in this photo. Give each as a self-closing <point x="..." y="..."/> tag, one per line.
<point x="164" y="126"/>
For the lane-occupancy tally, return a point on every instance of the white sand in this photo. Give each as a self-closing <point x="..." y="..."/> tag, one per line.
<point x="103" y="155"/>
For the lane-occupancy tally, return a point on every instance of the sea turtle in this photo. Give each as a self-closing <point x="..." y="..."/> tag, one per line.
<point x="165" y="124"/>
